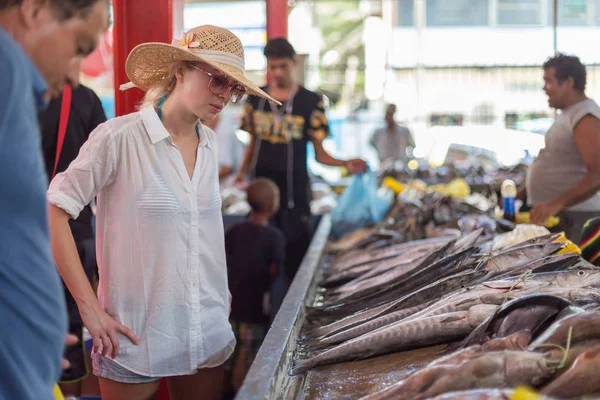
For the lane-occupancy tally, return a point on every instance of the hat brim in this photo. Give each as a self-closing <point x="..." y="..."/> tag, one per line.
<point x="149" y="63"/>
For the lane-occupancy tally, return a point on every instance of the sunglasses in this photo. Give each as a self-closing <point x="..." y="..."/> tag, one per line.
<point x="219" y="85"/>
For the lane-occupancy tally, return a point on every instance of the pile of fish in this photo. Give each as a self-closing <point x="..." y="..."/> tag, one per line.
<point x="519" y="315"/>
<point x="416" y="216"/>
<point x="473" y="174"/>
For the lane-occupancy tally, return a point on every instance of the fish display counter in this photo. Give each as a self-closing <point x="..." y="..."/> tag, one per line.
<point x="268" y="377"/>
<point x="396" y="311"/>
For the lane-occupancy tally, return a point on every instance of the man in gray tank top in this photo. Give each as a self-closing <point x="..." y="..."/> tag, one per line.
<point x="393" y="139"/>
<point x="565" y="177"/>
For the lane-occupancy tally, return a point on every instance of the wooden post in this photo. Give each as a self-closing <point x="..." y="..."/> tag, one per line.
<point x="277" y="18"/>
<point x="136" y="22"/>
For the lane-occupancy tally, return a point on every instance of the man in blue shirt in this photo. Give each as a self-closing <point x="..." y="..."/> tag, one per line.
<point x="38" y="41"/>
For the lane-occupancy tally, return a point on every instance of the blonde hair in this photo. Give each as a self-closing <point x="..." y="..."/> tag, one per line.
<point x="162" y="87"/>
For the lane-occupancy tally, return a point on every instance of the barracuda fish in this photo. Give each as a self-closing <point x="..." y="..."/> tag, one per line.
<point x="356" y="287"/>
<point x="401" y="335"/>
<point x="552" y="237"/>
<point x="403" y="262"/>
<point x="352" y="260"/>
<point x="411" y="303"/>
<point x="573" y="278"/>
<point x="555" y="262"/>
<point x="457" y="302"/>
<point x="355" y="320"/>
<point x="490" y="246"/>
<point x="467" y="241"/>
<point x="407" y="283"/>
<point x="520" y="256"/>
<point x="408" y="257"/>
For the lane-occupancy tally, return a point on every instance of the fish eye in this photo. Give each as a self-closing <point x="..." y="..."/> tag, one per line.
<point x="581" y="273"/>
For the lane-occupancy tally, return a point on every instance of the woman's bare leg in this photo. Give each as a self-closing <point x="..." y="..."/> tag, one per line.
<point x="206" y="384"/>
<point x="111" y="390"/>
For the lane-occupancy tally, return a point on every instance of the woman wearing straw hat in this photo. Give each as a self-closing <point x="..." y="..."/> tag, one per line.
<point x="162" y="307"/>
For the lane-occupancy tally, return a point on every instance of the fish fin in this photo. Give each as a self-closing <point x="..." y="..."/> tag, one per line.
<point x="310" y="346"/>
<point x="500" y="285"/>
<point x="300" y="366"/>
<point x="452" y="318"/>
<point x="465" y="301"/>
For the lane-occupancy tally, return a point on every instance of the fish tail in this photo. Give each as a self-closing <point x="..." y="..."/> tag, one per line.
<point x="309" y="343"/>
<point x="301" y="366"/>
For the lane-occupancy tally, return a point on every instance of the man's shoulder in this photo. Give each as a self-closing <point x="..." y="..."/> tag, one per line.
<point x="379" y="131"/>
<point x="13" y="62"/>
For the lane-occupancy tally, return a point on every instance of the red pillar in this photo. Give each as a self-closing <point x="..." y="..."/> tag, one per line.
<point x="137" y="22"/>
<point x="277" y="18"/>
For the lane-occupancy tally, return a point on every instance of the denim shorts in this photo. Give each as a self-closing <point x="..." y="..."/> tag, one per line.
<point x="106" y="368"/>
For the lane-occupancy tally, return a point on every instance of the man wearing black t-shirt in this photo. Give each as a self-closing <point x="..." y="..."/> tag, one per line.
<point x="277" y="149"/>
<point x="85" y="115"/>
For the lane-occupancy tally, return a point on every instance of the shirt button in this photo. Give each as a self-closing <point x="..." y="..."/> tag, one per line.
<point x="195" y="254"/>
<point x="194" y="224"/>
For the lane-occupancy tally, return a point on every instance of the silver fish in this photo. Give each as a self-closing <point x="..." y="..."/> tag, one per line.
<point x="520" y="256"/>
<point x="401" y="335"/>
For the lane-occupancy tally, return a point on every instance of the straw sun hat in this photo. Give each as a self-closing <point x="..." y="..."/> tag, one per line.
<point x="149" y="63"/>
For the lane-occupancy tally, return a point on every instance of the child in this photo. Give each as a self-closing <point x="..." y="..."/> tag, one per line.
<point x="255" y="252"/>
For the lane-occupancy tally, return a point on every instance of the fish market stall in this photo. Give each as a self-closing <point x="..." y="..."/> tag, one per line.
<point x="437" y="301"/>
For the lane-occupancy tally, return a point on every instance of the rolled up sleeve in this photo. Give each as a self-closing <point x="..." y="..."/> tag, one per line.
<point x="92" y="170"/>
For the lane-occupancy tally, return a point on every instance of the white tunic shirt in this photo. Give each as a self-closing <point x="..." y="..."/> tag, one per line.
<point x="160" y="242"/>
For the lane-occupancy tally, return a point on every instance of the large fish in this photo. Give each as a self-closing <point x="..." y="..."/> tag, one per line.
<point x="426" y="376"/>
<point x="364" y="257"/>
<point x="407" y="257"/>
<point x="518" y="341"/>
<point x="527" y="313"/>
<point x="484" y="394"/>
<point x="378" y="265"/>
<point x="350" y="240"/>
<point x="444" y="306"/>
<point x="555" y="262"/>
<point x="384" y="270"/>
<point x="502" y="369"/>
<point x="392" y="277"/>
<point x="518" y="257"/>
<point x="401" y="335"/>
<point x="585" y="326"/>
<point x="489" y="370"/>
<point x="409" y="304"/>
<point x="580" y="379"/>
<point x="356" y="320"/>
<point x="467" y="241"/>
<point x="408" y="283"/>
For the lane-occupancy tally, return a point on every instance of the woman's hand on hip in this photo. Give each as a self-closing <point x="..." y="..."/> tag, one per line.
<point x="103" y="329"/>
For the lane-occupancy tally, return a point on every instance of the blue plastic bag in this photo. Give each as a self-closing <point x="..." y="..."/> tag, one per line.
<point x="360" y="204"/>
